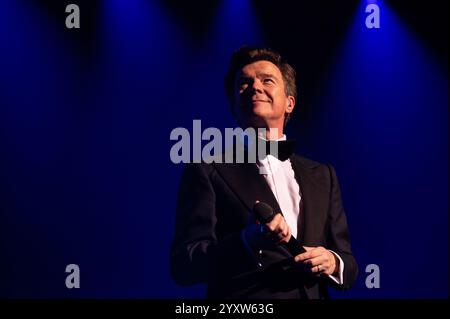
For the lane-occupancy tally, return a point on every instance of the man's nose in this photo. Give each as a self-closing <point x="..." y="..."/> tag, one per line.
<point x="257" y="86"/>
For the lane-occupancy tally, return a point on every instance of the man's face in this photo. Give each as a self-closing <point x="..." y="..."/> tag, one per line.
<point x="260" y="95"/>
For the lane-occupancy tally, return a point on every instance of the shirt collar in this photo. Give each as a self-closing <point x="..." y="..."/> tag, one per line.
<point x="261" y="135"/>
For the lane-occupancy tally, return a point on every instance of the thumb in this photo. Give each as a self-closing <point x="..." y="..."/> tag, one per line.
<point x="307" y="248"/>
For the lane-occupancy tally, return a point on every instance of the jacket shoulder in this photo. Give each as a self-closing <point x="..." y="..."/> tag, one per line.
<point x="306" y="162"/>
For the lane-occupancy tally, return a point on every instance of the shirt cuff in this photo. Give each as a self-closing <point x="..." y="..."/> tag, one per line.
<point x="339" y="280"/>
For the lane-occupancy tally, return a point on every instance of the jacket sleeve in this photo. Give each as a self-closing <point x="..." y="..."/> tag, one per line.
<point x="338" y="238"/>
<point x="196" y="252"/>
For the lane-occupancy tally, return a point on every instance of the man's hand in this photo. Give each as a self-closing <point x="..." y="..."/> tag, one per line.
<point x="262" y="236"/>
<point x="280" y="229"/>
<point x="319" y="259"/>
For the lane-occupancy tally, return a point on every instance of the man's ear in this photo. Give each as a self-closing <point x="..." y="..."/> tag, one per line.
<point x="291" y="104"/>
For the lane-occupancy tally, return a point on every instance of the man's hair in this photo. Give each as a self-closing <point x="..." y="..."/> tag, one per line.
<point x="247" y="55"/>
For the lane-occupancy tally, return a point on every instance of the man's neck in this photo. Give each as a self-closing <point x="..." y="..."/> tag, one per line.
<point x="270" y="134"/>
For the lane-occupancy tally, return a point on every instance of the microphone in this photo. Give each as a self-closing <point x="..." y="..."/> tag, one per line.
<point x="264" y="213"/>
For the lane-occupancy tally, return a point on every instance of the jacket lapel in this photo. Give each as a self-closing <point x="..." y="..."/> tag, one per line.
<point x="248" y="185"/>
<point x="313" y="204"/>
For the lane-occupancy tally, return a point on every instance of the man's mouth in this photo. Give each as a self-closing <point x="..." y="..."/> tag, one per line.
<point x="253" y="102"/>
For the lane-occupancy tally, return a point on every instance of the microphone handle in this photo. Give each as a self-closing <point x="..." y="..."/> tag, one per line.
<point x="294" y="246"/>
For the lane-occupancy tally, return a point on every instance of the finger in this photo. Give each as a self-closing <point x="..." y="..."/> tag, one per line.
<point x="273" y="224"/>
<point x="283" y="228"/>
<point x="319" y="266"/>
<point x="278" y="224"/>
<point x="318" y="253"/>
<point x="312" y="253"/>
<point x="285" y="235"/>
<point x="303" y="256"/>
<point x="318" y="269"/>
<point x="320" y="260"/>
<point x="320" y="248"/>
<point x="287" y="232"/>
<point x="278" y="232"/>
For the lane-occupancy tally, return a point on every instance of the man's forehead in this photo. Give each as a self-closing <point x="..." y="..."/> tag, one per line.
<point x="258" y="67"/>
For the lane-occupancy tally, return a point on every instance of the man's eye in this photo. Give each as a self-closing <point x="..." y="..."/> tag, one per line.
<point x="243" y="82"/>
<point x="268" y="80"/>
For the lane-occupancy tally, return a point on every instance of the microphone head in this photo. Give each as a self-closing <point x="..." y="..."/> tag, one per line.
<point x="264" y="213"/>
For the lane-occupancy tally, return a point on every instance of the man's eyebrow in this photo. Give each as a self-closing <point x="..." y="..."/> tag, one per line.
<point x="260" y="75"/>
<point x="267" y="75"/>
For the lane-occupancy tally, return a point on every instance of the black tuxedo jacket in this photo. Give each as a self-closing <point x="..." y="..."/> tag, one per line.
<point x="213" y="207"/>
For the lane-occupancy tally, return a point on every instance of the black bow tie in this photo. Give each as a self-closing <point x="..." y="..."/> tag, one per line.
<point x="285" y="148"/>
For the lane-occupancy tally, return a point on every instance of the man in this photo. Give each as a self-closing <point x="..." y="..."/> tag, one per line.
<point x="217" y="239"/>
